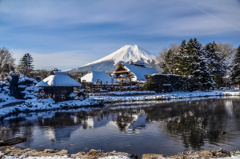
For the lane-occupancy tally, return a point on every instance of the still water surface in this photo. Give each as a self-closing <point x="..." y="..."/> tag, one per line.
<point x="153" y="127"/>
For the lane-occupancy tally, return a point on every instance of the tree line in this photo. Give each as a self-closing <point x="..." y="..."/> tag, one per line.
<point x="25" y="66"/>
<point x="214" y="64"/>
<point x="7" y="63"/>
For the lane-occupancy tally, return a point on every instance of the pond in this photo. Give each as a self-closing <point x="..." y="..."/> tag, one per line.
<point x="152" y="127"/>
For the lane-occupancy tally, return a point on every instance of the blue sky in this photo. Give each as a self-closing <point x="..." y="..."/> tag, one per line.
<point x="70" y="33"/>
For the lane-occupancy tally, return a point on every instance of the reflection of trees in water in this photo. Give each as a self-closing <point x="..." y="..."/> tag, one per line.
<point x="194" y="121"/>
<point x="124" y="120"/>
<point x="236" y="111"/>
<point x="13" y="128"/>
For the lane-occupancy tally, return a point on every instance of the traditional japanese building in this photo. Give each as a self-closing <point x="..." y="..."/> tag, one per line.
<point x="58" y="86"/>
<point x="97" y="81"/>
<point x="98" y="77"/>
<point x="132" y="73"/>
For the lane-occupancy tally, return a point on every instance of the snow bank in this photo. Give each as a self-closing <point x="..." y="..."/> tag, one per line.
<point x="115" y="157"/>
<point x="27" y="87"/>
<point x="46" y="104"/>
<point x="133" y="92"/>
<point x="167" y="96"/>
<point x="125" y="93"/>
<point x="39" y="157"/>
<point x="5" y="97"/>
<point x="56" y="157"/>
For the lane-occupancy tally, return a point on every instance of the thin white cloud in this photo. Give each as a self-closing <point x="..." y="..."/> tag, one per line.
<point x="51" y="27"/>
<point x="223" y="13"/>
<point x="134" y="14"/>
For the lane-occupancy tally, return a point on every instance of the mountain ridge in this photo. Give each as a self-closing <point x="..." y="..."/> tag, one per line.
<point x="125" y="55"/>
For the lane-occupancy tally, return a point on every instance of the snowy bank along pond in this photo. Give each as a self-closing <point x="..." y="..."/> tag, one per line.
<point x="160" y="127"/>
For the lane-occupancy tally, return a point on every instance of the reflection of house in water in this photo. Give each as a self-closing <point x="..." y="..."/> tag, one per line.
<point x="60" y="133"/>
<point x="95" y="121"/>
<point x="50" y="133"/>
<point x="229" y="107"/>
<point x="139" y="121"/>
<point x="130" y="121"/>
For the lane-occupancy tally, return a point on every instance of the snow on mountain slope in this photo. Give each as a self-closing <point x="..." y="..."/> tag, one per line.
<point x="126" y="54"/>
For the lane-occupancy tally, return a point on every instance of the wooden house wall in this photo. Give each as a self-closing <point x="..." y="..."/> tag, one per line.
<point x="58" y="93"/>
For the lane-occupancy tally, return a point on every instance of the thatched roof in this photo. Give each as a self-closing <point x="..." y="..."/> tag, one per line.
<point x="93" y="77"/>
<point x="59" y="79"/>
<point x="138" y="71"/>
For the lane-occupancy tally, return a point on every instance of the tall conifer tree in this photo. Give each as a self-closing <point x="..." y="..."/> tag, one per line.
<point x="215" y="63"/>
<point x="236" y="68"/>
<point x="200" y="66"/>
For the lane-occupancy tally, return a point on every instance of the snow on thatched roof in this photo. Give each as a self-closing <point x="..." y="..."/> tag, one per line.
<point x="59" y="79"/>
<point x="139" y="71"/>
<point x="93" y="76"/>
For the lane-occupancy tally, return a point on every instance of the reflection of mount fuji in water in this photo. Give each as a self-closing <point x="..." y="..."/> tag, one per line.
<point x="125" y="55"/>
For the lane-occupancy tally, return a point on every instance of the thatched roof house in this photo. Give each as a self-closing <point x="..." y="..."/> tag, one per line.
<point x="58" y="86"/>
<point x="99" y="76"/>
<point x="132" y="72"/>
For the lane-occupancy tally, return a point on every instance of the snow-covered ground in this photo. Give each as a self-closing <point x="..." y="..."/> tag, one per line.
<point x="125" y="93"/>
<point x="47" y="104"/>
<point x="167" y="96"/>
<point x="67" y="157"/>
<point x="6" y="99"/>
<point x="26" y="86"/>
<point x="55" y="157"/>
<point x="39" y="157"/>
<point x="115" y="157"/>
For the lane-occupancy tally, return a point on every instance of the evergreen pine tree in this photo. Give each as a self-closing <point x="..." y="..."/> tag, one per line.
<point x="215" y="63"/>
<point x="25" y="65"/>
<point x="235" y="76"/>
<point x="183" y="59"/>
<point x="191" y="51"/>
<point x="200" y="66"/>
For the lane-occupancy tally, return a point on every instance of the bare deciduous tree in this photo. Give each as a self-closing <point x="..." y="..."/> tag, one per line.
<point x="166" y="57"/>
<point x="6" y="60"/>
<point x="225" y="49"/>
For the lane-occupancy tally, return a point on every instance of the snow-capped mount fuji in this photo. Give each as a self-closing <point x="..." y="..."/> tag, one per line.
<point x="125" y="55"/>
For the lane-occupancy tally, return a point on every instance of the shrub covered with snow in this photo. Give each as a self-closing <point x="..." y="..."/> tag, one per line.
<point x="26" y="87"/>
<point x="5" y="92"/>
